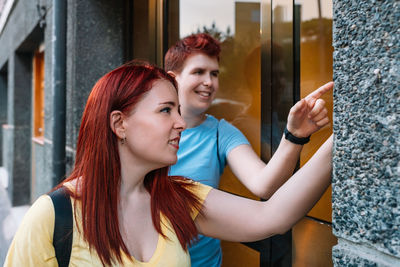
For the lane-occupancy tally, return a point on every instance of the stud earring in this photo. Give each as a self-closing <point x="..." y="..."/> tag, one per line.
<point x="123" y="140"/>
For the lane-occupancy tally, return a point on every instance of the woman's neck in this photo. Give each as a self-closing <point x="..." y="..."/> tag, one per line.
<point x="131" y="182"/>
<point x="132" y="174"/>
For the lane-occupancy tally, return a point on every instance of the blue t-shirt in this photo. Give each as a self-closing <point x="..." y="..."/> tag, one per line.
<point x="198" y="160"/>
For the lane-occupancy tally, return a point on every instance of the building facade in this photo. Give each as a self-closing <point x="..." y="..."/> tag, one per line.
<point x="273" y="53"/>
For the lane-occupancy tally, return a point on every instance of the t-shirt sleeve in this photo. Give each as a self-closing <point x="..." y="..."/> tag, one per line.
<point x="33" y="243"/>
<point x="229" y="137"/>
<point x="201" y="191"/>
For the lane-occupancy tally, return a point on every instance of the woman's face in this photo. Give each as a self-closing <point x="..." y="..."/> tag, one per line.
<point x="198" y="83"/>
<point x="154" y="127"/>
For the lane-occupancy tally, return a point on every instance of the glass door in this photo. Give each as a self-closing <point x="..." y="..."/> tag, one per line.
<point x="273" y="53"/>
<point x="236" y="24"/>
<point x="312" y="236"/>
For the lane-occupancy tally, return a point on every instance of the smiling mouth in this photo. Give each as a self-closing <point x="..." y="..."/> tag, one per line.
<point x="174" y="142"/>
<point x="203" y="93"/>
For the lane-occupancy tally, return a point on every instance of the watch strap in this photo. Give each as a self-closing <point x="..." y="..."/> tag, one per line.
<point x="294" y="139"/>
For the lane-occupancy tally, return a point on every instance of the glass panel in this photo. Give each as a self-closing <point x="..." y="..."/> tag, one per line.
<point x="146" y="39"/>
<point x="38" y="112"/>
<point x="282" y="88"/>
<point x="316" y="69"/>
<point x="312" y="244"/>
<point x="239" y="255"/>
<point x="38" y="94"/>
<point x="143" y="41"/>
<point x="266" y="80"/>
<point x="236" y="24"/>
<point x="313" y="240"/>
<point x="282" y="67"/>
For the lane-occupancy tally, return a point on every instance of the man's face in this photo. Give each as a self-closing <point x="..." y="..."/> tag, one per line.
<point x="197" y="83"/>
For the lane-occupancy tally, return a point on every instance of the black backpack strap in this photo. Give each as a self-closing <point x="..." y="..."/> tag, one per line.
<point x="63" y="225"/>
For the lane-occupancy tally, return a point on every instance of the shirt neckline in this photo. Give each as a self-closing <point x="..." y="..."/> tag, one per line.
<point x="156" y="255"/>
<point x="209" y="119"/>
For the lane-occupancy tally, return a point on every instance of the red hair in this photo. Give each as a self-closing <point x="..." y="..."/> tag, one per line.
<point x="98" y="172"/>
<point x="195" y="43"/>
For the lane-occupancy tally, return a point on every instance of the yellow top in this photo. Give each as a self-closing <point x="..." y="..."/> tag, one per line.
<point x="33" y="243"/>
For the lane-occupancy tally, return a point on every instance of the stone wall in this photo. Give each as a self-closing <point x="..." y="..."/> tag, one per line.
<point x="19" y="38"/>
<point x="95" y="45"/>
<point x="366" y="176"/>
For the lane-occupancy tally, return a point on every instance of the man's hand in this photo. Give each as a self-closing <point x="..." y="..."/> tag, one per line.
<point x="309" y="114"/>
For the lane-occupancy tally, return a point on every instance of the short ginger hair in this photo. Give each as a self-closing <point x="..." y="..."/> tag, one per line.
<point x="195" y="43"/>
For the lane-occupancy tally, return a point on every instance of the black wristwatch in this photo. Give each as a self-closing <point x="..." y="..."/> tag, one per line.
<point x="294" y="139"/>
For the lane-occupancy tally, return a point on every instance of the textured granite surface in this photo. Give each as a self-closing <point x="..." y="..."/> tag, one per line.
<point x="342" y="259"/>
<point x="95" y="45"/>
<point x="366" y="176"/>
<point x="351" y="254"/>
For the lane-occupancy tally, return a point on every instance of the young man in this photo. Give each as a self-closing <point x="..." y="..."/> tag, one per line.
<point x="207" y="144"/>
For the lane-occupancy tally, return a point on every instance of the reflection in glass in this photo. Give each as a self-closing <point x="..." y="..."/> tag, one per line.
<point x="316" y="69"/>
<point x="146" y="36"/>
<point x="313" y="240"/>
<point x="282" y="67"/>
<point x="236" y="24"/>
<point x="312" y="244"/>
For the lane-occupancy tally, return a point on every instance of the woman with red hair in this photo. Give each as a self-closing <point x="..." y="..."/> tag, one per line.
<point x="208" y="144"/>
<point x="127" y="211"/>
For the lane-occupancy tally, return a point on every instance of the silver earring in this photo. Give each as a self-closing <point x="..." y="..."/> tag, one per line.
<point x="123" y="140"/>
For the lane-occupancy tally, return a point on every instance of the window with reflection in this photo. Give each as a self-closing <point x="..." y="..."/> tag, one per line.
<point x="314" y="21"/>
<point x="316" y="69"/>
<point x="295" y="44"/>
<point x="236" y="24"/>
<point x="38" y="95"/>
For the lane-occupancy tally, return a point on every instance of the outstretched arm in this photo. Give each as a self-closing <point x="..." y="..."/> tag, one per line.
<point x="305" y="118"/>
<point x="234" y="218"/>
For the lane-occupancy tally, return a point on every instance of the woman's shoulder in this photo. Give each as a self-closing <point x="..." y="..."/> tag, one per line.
<point x="32" y="243"/>
<point x="43" y="206"/>
<point x="39" y="218"/>
<point x="200" y="190"/>
<point x="197" y="188"/>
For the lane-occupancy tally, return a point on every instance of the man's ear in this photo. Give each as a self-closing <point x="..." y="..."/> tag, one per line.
<point x="116" y="123"/>
<point x="173" y="74"/>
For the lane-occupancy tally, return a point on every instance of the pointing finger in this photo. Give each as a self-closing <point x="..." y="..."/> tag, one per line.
<point x="311" y="98"/>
